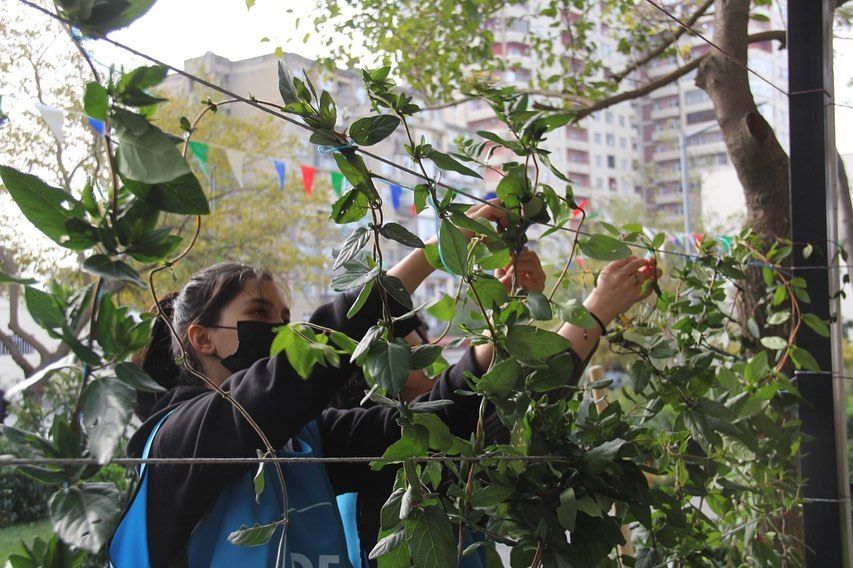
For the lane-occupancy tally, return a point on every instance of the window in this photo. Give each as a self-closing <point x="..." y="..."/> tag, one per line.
<point x="701" y="116"/>
<point x="19" y="342"/>
<point x="611" y="183"/>
<point x="611" y="161"/>
<point x="623" y="163"/>
<point x="599" y="183"/>
<point x="695" y="97"/>
<point x="623" y="142"/>
<point x="611" y="140"/>
<point x="596" y="138"/>
<point x="622" y="121"/>
<point x="599" y="162"/>
<point x="608" y="117"/>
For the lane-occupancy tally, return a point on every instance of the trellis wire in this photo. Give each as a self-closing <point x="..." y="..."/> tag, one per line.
<point x="255" y="104"/>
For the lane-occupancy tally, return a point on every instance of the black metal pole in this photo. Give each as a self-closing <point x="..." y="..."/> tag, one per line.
<point x="811" y="189"/>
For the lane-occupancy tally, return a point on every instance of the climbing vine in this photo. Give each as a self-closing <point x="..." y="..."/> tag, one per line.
<point x="693" y="460"/>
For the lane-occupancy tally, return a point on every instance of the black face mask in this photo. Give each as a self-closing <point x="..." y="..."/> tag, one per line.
<point x="254" y="340"/>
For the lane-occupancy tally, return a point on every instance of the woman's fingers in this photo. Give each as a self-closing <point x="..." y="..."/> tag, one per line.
<point x="490" y="212"/>
<point x="633" y="265"/>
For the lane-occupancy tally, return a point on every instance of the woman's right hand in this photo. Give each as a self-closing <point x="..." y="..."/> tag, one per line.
<point x="620" y="286"/>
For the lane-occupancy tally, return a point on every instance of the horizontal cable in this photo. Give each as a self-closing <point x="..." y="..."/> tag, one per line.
<point x="14" y="461"/>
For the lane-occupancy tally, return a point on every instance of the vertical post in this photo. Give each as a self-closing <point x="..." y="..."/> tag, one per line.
<point x="826" y="512"/>
<point x="685" y="186"/>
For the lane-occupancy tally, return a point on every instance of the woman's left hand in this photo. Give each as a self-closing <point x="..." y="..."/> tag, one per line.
<point x="531" y="276"/>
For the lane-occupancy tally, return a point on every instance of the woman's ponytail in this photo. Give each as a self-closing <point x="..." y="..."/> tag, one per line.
<point x="156" y="358"/>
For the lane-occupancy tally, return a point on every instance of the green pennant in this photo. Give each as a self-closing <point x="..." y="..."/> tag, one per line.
<point x="199" y="150"/>
<point x="338" y="183"/>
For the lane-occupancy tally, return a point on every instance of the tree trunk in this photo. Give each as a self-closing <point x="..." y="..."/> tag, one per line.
<point x="759" y="160"/>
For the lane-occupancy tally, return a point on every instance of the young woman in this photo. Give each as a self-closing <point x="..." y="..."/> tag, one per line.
<point x="182" y="514"/>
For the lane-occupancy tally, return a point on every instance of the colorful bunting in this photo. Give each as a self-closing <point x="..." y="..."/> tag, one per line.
<point x="280" y="169"/>
<point x="307" y="177"/>
<point x="199" y="151"/>
<point x="53" y="117"/>
<point x="413" y="210"/>
<point x="581" y="206"/>
<point x="97" y="125"/>
<point x="396" y="193"/>
<point x="491" y="195"/>
<point x="235" y="160"/>
<point x="337" y="183"/>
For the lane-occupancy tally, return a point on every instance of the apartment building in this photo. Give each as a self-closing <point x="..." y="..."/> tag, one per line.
<point x="259" y="76"/>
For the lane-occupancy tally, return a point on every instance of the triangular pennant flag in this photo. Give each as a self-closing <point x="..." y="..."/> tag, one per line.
<point x="235" y="160"/>
<point x="726" y="243"/>
<point x="582" y="205"/>
<point x="97" y="125"/>
<point x="491" y="195"/>
<point x="396" y="193"/>
<point x="338" y="183"/>
<point x="199" y="150"/>
<point x="53" y="117"/>
<point x="307" y="177"/>
<point x="3" y="116"/>
<point x="580" y="262"/>
<point x="280" y="169"/>
<point x="413" y="210"/>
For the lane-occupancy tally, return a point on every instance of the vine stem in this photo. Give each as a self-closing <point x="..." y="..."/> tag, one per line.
<point x="87" y="369"/>
<point x="569" y="261"/>
<point x="184" y="360"/>
<point x="537" y="558"/>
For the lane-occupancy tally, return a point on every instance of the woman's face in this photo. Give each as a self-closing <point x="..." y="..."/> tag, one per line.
<point x="259" y="300"/>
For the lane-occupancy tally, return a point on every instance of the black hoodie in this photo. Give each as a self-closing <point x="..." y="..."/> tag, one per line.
<point x="282" y="403"/>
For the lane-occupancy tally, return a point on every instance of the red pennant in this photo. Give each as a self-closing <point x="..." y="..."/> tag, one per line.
<point x="307" y="177"/>
<point x="580" y="262"/>
<point x="582" y="205"/>
<point x="413" y="210"/>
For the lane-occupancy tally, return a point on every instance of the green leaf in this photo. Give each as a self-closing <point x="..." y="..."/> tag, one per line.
<point x="453" y="249"/>
<point x="9" y="279"/>
<point x="804" y="359"/>
<point x="343" y="341"/>
<point x="388" y="543"/>
<point x="256" y="535"/>
<point x="779" y="317"/>
<point x="389" y="364"/>
<point x="86" y="515"/>
<point x="598" y="458"/>
<point x="133" y="376"/>
<point x="568" y="509"/>
<point x="490" y="496"/>
<point x="394" y="287"/>
<point x="816" y="324"/>
<point x="444" y="308"/>
<point x="539" y="306"/>
<point x="105" y="407"/>
<point x="489" y="290"/>
<point x="425" y="355"/>
<point x="402" y="235"/>
<point x="465" y="222"/>
<point x="363" y="295"/>
<point x="512" y="187"/>
<point x="100" y="18"/>
<point x="647" y="558"/>
<point x="145" y="153"/>
<point x="366" y="342"/>
<point x="258" y="481"/>
<point x="351" y="206"/>
<point x="353" y="243"/>
<point x="430" y="538"/>
<point x="183" y="195"/>
<point x="773" y="342"/>
<point x="605" y="247"/>
<point x="96" y="100"/>
<point x="302" y="352"/>
<point x="44" y="309"/>
<point x="500" y="379"/>
<point x="106" y="267"/>
<point x="372" y="129"/>
<point x="575" y="313"/>
<point x="445" y="162"/>
<point x="54" y="212"/>
<point x="530" y="343"/>
<point x="285" y="84"/>
<point x="557" y="374"/>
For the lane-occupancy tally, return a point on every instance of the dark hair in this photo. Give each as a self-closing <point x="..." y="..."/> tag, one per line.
<point x="200" y="301"/>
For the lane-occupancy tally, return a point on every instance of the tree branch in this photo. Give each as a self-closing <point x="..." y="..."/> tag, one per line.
<point x="16" y="354"/>
<point x="14" y="303"/>
<point x="674" y="36"/>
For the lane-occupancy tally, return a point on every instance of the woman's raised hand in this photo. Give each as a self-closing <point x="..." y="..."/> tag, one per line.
<point x="491" y="212"/>
<point x="531" y="276"/>
<point x="620" y="286"/>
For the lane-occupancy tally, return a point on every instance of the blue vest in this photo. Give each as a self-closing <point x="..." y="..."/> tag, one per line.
<point x="315" y="535"/>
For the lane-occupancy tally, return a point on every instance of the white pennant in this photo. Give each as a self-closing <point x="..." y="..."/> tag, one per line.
<point x="53" y="117"/>
<point x="235" y="160"/>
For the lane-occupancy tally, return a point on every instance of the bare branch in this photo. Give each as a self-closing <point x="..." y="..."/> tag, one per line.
<point x="16" y="354"/>
<point x="653" y="54"/>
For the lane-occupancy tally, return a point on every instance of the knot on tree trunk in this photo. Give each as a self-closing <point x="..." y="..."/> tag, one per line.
<point x="757" y="126"/>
